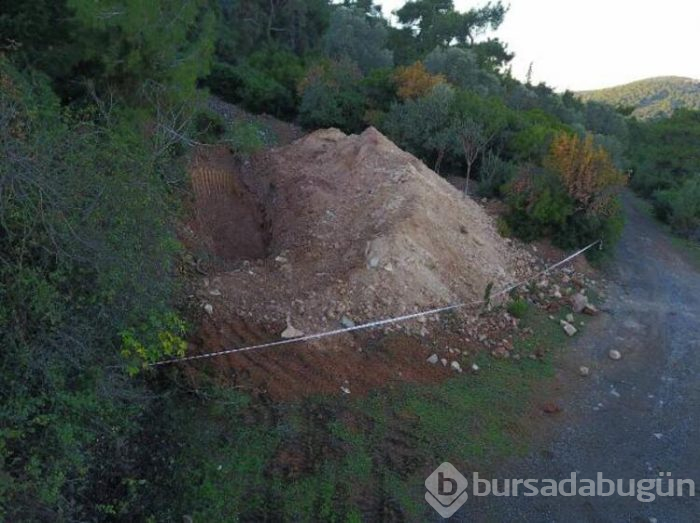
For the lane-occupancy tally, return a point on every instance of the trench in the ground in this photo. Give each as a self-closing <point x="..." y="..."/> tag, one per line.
<point x="230" y="217"/>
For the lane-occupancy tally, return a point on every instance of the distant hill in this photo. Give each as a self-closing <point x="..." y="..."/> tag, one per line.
<point x="652" y="97"/>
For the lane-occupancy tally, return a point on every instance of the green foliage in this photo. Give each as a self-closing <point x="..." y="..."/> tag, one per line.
<point x="461" y="67"/>
<point x="209" y="127"/>
<point x="245" y="138"/>
<point x="87" y="253"/>
<point x="332" y="97"/>
<point x="256" y="87"/>
<point x="680" y="207"/>
<point x="110" y="46"/>
<point x="518" y="308"/>
<point x="436" y="23"/>
<point x="354" y="36"/>
<point x="494" y="173"/>
<point x="159" y="337"/>
<point x="540" y="206"/>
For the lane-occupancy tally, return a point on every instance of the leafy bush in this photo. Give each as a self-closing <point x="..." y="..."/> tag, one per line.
<point x="209" y="126"/>
<point x="414" y="81"/>
<point x="332" y="97"/>
<point x="518" y="308"/>
<point x="573" y="200"/>
<point x="87" y="253"/>
<point x="680" y="207"/>
<point x="494" y="173"/>
<point x="352" y="35"/>
<point x="255" y="89"/>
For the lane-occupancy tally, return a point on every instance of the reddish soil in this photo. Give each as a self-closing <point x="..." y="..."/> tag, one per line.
<point x="229" y="219"/>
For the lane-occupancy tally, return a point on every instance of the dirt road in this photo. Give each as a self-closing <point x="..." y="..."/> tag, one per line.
<point x="632" y="418"/>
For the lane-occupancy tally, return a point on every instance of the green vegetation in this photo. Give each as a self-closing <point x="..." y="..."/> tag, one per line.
<point x="666" y="169"/>
<point x="650" y="98"/>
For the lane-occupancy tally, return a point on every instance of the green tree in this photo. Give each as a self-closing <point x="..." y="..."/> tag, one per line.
<point x="358" y="37"/>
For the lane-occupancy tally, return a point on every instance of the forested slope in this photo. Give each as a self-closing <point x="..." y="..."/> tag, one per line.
<point x="650" y="98"/>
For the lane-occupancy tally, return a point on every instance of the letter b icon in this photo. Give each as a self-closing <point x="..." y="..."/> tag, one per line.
<point x="446" y="490"/>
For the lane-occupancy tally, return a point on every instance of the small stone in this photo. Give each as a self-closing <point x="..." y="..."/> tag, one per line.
<point x="456" y="366"/>
<point x="215" y="292"/>
<point x="291" y="332"/>
<point x="614" y="354"/>
<point x="475" y="367"/>
<point x="557" y="294"/>
<point x="658" y="435"/>
<point x="347" y="322"/>
<point x="432" y="359"/>
<point x="578" y="302"/>
<point x="345" y="390"/>
<point x="281" y="259"/>
<point x="374" y="262"/>
<point x="389" y="267"/>
<point x="444" y="362"/>
<point x="570" y="318"/>
<point x="591" y="310"/>
<point x="568" y="328"/>
<point x="584" y="371"/>
<point x="209" y="308"/>
<point x="551" y="408"/>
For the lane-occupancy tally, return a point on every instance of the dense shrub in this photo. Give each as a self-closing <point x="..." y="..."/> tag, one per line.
<point x="573" y="199"/>
<point x="331" y="96"/>
<point x="86" y="280"/>
<point x="680" y="207"/>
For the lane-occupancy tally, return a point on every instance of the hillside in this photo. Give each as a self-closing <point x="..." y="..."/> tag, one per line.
<point x="652" y="97"/>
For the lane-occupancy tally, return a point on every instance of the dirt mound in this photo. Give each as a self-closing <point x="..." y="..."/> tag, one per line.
<point x="357" y="230"/>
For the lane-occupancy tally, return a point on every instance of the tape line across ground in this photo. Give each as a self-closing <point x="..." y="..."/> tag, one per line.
<point x="373" y="324"/>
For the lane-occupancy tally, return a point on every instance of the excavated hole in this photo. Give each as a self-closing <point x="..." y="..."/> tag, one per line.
<point x="231" y="218"/>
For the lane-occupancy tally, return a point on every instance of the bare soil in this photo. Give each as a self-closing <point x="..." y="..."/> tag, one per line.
<point x="335" y="227"/>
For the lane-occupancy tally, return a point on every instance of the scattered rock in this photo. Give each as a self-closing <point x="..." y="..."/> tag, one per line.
<point x="551" y="408"/>
<point x="345" y="390"/>
<point x="208" y="308"/>
<point x="591" y="310"/>
<point x="281" y="259"/>
<point x="291" y="332"/>
<point x="579" y="302"/>
<point x="614" y="354"/>
<point x="433" y="359"/>
<point x="584" y="371"/>
<point x="658" y="435"/>
<point x="570" y="318"/>
<point x="475" y="367"/>
<point x="444" y="362"/>
<point x="456" y="366"/>
<point x="374" y="262"/>
<point x="347" y="322"/>
<point x="568" y="328"/>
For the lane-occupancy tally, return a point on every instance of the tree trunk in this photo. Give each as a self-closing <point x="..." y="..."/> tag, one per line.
<point x="466" y="182"/>
<point x="438" y="162"/>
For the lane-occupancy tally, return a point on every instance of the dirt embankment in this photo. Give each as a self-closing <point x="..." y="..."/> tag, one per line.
<point x="331" y="230"/>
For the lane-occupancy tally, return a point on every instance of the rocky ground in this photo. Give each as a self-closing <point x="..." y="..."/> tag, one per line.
<point x="635" y="413"/>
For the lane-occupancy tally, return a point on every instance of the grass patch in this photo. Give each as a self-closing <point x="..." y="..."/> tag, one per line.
<point x="347" y="459"/>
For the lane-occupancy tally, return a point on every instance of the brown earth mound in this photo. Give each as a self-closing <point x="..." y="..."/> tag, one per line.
<point x="346" y="229"/>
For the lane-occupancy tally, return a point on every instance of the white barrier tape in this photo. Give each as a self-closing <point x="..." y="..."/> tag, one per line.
<point x="373" y="324"/>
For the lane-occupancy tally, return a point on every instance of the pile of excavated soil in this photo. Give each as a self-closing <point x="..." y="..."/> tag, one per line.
<point x="354" y="229"/>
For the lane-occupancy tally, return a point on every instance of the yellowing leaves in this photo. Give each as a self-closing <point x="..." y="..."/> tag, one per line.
<point x="586" y="171"/>
<point x="414" y="81"/>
